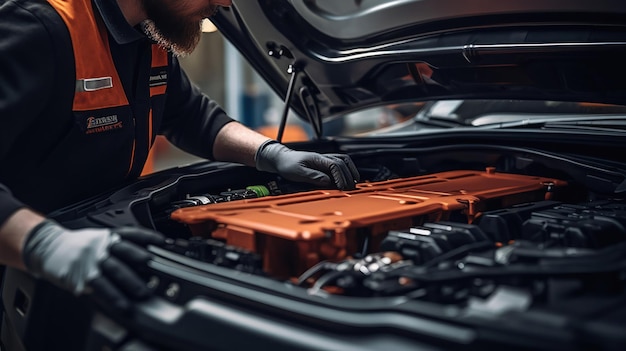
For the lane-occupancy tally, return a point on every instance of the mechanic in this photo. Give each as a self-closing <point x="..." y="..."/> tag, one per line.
<point x="85" y="86"/>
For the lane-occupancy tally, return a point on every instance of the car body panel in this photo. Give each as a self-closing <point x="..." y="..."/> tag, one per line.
<point x="518" y="50"/>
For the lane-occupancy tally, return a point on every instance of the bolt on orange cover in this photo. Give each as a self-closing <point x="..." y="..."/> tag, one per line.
<point x="296" y="231"/>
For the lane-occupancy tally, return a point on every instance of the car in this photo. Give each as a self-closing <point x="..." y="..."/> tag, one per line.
<point x="490" y="214"/>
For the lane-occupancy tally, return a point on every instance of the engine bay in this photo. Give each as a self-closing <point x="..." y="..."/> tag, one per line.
<point x="450" y="247"/>
<point x="451" y="237"/>
<point x="456" y="245"/>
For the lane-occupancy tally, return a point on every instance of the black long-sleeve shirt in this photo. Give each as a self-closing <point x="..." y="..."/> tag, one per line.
<point x="44" y="159"/>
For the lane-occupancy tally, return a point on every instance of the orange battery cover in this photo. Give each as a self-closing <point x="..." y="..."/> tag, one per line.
<point x="295" y="231"/>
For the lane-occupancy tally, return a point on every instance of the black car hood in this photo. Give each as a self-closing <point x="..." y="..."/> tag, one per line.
<point x="352" y="54"/>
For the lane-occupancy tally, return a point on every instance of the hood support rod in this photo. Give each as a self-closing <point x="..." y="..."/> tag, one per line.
<point x="292" y="83"/>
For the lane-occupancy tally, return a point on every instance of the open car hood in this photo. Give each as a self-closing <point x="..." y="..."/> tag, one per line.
<point x="344" y="55"/>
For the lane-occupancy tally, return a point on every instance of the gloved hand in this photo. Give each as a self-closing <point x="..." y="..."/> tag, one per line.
<point x="93" y="260"/>
<point x="300" y="166"/>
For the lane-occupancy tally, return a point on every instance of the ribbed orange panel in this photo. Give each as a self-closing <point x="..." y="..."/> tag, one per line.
<point x="326" y="224"/>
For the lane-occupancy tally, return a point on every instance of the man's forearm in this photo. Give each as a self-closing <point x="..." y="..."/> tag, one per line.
<point x="13" y="232"/>
<point x="237" y="143"/>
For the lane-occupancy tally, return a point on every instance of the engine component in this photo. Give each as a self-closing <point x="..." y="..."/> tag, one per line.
<point x="218" y="253"/>
<point x="424" y="243"/>
<point x="294" y="232"/>
<point x="592" y="225"/>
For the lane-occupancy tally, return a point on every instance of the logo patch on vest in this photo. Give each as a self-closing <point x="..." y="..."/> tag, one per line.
<point x="102" y="124"/>
<point x="158" y="77"/>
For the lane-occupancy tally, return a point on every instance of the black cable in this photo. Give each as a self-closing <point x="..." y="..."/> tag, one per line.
<point x="324" y="265"/>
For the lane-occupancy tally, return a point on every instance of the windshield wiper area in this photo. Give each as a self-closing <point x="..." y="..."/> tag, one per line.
<point x="587" y="122"/>
<point x="611" y="124"/>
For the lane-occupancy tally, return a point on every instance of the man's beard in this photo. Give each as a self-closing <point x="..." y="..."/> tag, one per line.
<point x="174" y="32"/>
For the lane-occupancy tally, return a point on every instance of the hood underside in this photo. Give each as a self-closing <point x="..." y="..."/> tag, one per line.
<point x="328" y="57"/>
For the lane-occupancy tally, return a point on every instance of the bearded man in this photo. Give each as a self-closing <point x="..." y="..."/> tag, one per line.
<point x="85" y="87"/>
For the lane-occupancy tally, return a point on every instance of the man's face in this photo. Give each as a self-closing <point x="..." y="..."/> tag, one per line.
<point x="176" y="24"/>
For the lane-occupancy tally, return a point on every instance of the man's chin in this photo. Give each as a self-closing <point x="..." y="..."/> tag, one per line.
<point x="178" y="47"/>
<point x="183" y="50"/>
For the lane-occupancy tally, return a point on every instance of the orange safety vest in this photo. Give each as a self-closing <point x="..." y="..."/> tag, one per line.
<point x="98" y="85"/>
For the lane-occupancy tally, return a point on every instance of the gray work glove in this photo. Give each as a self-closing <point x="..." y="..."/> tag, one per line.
<point x="323" y="170"/>
<point x="93" y="260"/>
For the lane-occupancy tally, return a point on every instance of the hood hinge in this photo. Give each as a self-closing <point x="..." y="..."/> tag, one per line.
<point x="307" y="100"/>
